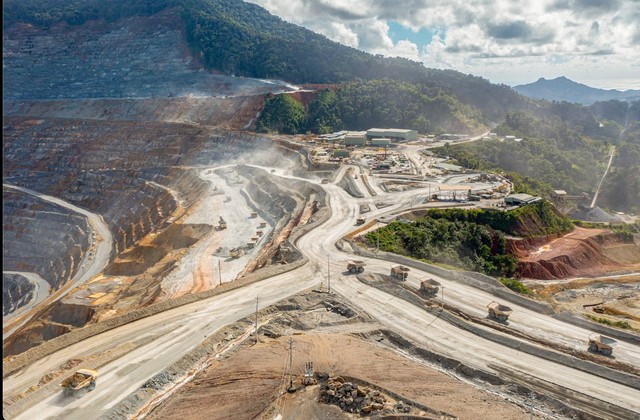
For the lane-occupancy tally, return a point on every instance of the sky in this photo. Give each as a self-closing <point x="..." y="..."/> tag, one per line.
<point x="595" y="42"/>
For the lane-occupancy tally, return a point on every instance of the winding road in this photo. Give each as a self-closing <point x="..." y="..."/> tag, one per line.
<point x="165" y="337"/>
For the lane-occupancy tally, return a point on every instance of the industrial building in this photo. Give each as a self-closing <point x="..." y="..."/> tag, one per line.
<point x="520" y="199"/>
<point x="380" y="142"/>
<point x="392" y="133"/>
<point x="448" y="167"/>
<point x="355" y="138"/>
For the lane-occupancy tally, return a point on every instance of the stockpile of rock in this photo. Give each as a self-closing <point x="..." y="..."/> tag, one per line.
<point x="353" y="398"/>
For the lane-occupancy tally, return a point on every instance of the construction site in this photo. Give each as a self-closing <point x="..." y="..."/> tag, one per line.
<point x="161" y="260"/>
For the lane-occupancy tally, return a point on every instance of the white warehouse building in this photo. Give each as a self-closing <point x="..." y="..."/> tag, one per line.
<point x="392" y="133"/>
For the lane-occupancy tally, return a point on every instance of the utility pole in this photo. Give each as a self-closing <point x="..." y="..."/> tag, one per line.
<point x="219" y="273"/>
<point x="442" y="289"/>
<point x="291" y="389"/>
<point x="256" y="319"/>
<point x="329" y="273"/>
<point x="378" y="243"/>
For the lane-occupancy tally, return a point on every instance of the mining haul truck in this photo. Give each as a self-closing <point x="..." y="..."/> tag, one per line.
<point x="600" y="344"/>
<point x="399" y="272"/>
<point x="430" y="287"/>
<point x="499" y="311"/>
<point x="355" y="266"/>
<point x="84" y="380"/>
<point x="360" y="221"/>
<point x="236" y="252"/>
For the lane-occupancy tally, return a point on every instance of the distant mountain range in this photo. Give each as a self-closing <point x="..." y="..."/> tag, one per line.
<point x="563" y="89"/>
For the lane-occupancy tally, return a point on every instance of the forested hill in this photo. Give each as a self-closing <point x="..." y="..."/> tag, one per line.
<point x="244" y="39"/>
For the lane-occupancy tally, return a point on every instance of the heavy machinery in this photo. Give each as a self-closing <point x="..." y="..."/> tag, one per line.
<point x="598" y="343"/>
<point x="83" y="380"/>
<point x="236" y="252"/>
<point x="430" y="287"/>
<point x="399" y="272"/>
<point x="355" y="266"/>
<point x="222" y="224"/>
<point x="499" y="311"/>
<point x="360" y="221"/>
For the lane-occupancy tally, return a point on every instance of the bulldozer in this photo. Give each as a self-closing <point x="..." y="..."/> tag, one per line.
<point x="82" y="381"/>
<point x="355" y="266"/>
<point x="399" y="272"/>
<point x="598" y="343"/>
<point x="499" y="311"/>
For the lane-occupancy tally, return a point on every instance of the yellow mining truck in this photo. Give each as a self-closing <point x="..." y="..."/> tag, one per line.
<point x="430" y="287"/>
<point x="399" y="272"/>
<point x="82" y="381"/>
<point x="355" y="266"/>
<point x="499" y="311"/>
<point x="598" y="343"/>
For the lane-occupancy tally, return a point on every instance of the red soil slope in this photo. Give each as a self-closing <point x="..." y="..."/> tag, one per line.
<point x="583" y="252"/>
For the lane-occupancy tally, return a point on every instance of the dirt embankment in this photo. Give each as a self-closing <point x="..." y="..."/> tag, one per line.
<point x="249" y="383"/>
<point x="583" y="252"/>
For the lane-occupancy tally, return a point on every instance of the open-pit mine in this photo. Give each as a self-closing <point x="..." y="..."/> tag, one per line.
<point x="192" y="268"/>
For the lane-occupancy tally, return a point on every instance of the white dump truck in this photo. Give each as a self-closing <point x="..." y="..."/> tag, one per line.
<point x="399" y="272"/>
<point x="499" y="311"/>
<point x="598" y="343"/>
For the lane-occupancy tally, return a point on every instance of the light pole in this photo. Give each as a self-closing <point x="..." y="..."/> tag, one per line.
<point x="329" y="273"/>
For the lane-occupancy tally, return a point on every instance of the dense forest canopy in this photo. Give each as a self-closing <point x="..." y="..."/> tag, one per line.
<point x="470" y="239"/>
<point x="365" y="104"/>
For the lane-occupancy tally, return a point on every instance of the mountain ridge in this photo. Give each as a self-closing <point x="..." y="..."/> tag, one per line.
<point x="564" y="89"/>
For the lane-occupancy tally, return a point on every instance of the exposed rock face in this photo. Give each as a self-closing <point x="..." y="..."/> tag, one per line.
<point x="136" y="57"/>
<point x="584" y="252"/>
<point x="17" y="291"/>
<point x="42" y="238"/>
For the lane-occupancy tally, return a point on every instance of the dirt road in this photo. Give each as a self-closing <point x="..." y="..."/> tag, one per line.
<point x="174" y="332"/>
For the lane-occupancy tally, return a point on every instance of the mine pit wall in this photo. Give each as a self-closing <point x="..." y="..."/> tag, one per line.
<point x="154" y="205"/>
<point x="281" y="201"/>
<point x="40" y="347"/>
<point x="17" y="291"/>
<point x="133" y="57"/>
<point x="230" y="113"/>
<point x="349" y="185"/>
<point x="42" y="238"/>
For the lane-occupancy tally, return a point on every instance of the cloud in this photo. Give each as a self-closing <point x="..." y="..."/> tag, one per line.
<point x="503" y="40"/>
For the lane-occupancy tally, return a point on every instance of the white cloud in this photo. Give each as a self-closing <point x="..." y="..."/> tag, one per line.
<point x="509" y="41"/>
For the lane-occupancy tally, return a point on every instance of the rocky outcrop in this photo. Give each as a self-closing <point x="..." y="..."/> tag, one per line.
<point x="17" y="291"/>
